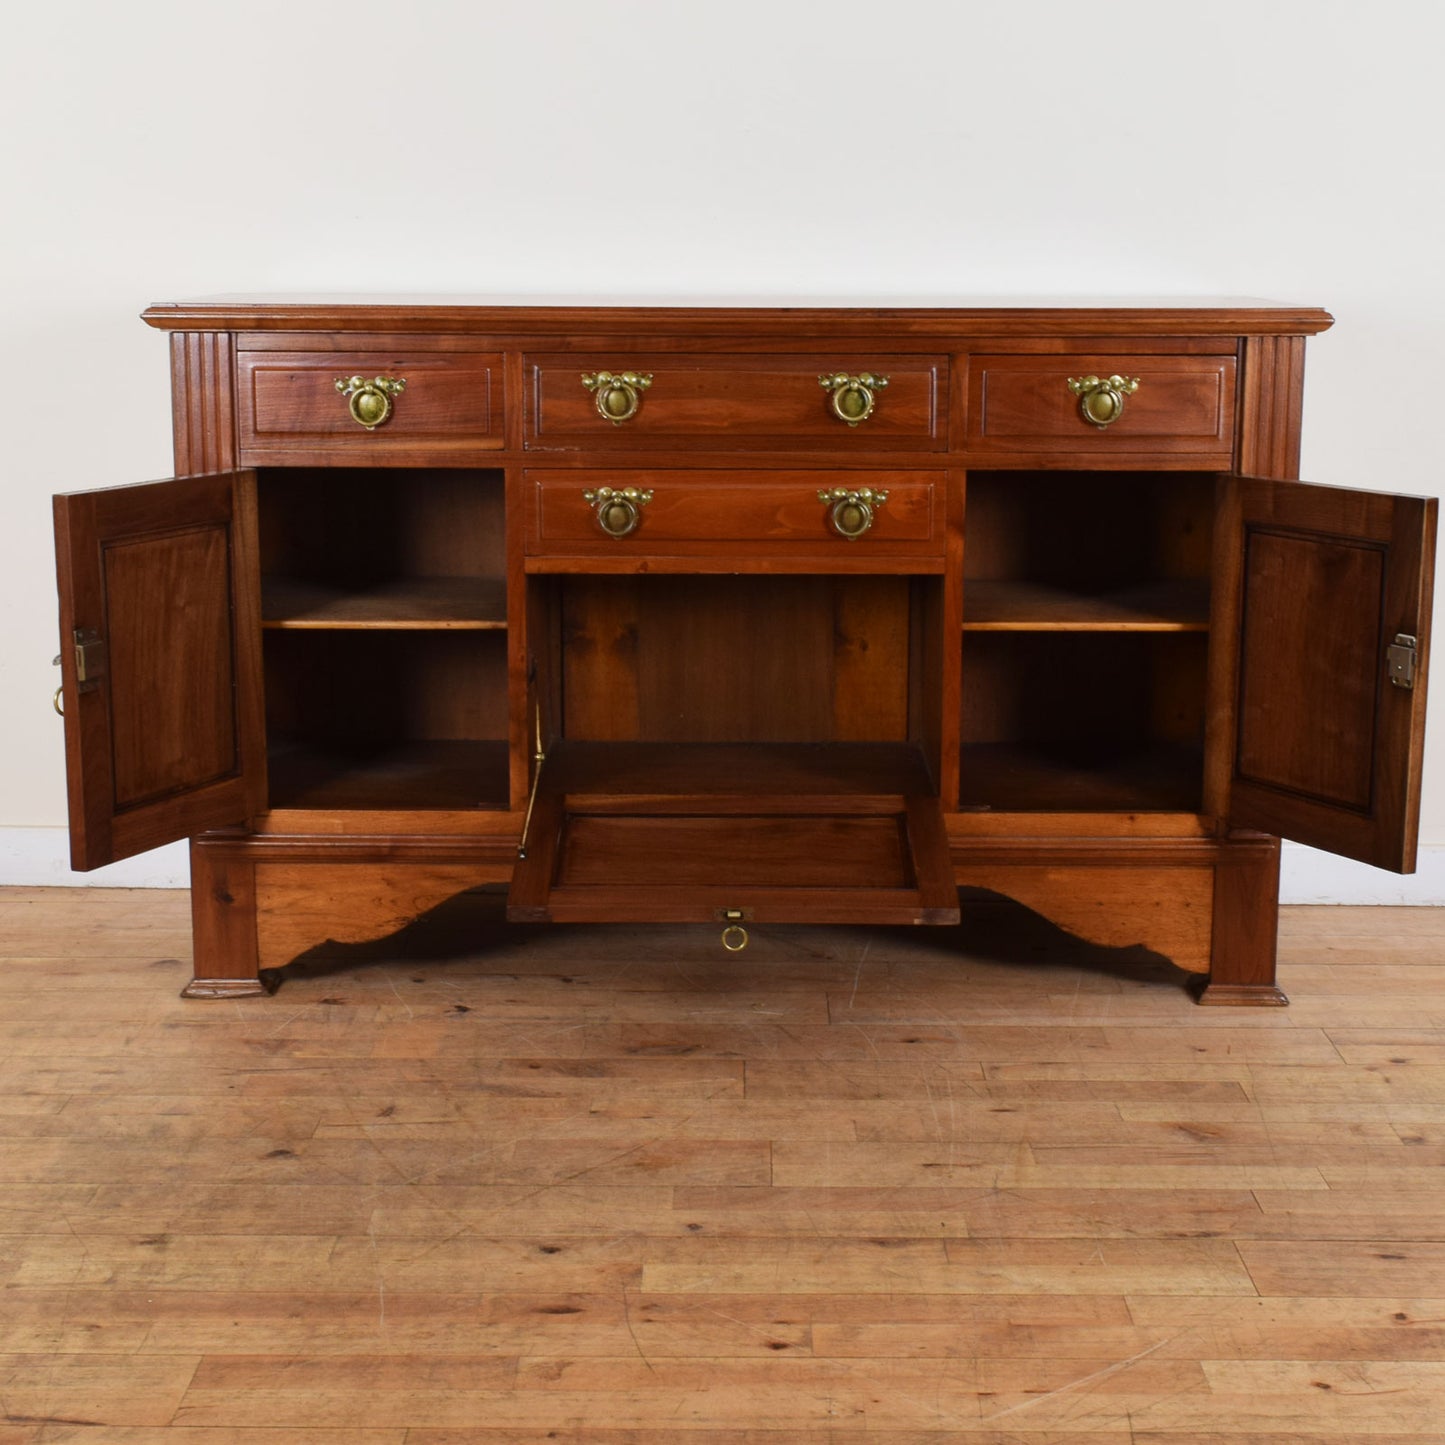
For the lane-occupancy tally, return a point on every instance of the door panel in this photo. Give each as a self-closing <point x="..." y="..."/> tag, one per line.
<point x="755" y="833"/>
<point x="1313" y="586"/>
<point x="160" y="655"/>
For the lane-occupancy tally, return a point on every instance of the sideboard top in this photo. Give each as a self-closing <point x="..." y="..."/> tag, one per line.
<point x="981" y="316"/>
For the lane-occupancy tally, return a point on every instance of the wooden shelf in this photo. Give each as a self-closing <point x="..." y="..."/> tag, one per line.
<point x="1014" y="777"/>
<point x="770" y="775"/>
<point x="1180" y="605"/>
<point x="406" y="603"/>
<point x="405" y="776"/>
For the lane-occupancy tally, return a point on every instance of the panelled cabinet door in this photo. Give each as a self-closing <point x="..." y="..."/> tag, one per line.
<point x="1322" y="618"/>
<point x="160" y="658"/>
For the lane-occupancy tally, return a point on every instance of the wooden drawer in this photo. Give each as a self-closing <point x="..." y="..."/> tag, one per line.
<point x="1170" y="406"/>
<point x="736" y="514"/>
<point x="289" y="406"/>
<point x="692" y="402"/>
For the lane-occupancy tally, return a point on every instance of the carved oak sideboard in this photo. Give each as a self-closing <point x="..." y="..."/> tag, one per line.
<point x="741" y="616"/>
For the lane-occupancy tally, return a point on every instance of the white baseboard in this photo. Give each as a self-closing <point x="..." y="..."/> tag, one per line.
<point x="1308" y="876"/>
<point x="39" y="858"/>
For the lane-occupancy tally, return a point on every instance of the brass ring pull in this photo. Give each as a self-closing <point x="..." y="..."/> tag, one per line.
<point x="852" y="398"/>
<point x="618" y="509"/>
<point x="618" y="394"/>
<point x="1101" y="398"/>
<point x="734" y="938"/>
<point x="55" y="701"/>
<point x="370" y="402"/>
<point x="850" y="511"/>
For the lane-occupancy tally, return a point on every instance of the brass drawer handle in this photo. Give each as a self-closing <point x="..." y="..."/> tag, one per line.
<point x="852" y="398"/>
<point x="618" y="509"/>
<point x="850" y="511"/>
<point x="370" y="402"/>
<point x="618" y="394"/>
<point x="1101" y="398"/>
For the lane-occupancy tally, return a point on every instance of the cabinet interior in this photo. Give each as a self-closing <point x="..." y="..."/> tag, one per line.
<point x="384" y="637"/>
<point x="1085" y="641"/>
<point x="757" y="677"/>
<point x="1084" y="651"/>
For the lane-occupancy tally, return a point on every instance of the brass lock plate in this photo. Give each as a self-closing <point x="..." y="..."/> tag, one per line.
<point x="1401" y="657"/>
<point x="90" y="658"/>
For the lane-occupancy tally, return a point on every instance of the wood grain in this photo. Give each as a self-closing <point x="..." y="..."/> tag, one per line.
<point x="288" y="408"/>
<point x="739" y="401"/>
<point x="602" y="326"/>
<point x="1023" y="403"/>
<point x="974" y="1186"/>
<point x="203" y="405"/>
<point x="165" y="737"/>
<point x="1181" y="606"/>
<point x="1315" y="582"/>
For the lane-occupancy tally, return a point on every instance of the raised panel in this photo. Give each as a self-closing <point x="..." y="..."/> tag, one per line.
<point x="1312" y="586"/>
<point x="1290" y="665"/>
<point x="163" y="715"/>
<point x="174" y="725"/>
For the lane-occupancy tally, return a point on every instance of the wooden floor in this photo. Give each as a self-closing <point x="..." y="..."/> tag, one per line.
<point x="483" y="1186"/>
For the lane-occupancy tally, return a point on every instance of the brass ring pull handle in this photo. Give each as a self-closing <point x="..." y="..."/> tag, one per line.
<point x="1101" y="398"/>
<point x="618" y="394"/>
<point x="618" y="509"/>
<point x="850" y="512"/>
<point x="734" y="936"/>
<point x="55" y="701"/>
<point x="852" y="398"/>
<point x="370" y="402"/>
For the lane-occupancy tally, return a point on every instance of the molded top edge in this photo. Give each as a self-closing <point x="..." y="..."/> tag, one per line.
<point x="983" y="315"/>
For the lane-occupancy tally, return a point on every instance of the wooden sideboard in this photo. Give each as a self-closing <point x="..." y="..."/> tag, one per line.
<point x="741" y="616"/>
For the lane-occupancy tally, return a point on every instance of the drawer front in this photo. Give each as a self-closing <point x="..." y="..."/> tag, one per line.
<point x="735" y="513"/>
<point x="780" y="402"/>
<point x="405" y="405"/>
<point x="1066" y="406"/>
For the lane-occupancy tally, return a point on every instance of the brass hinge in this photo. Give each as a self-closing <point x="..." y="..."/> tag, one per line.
<point x="1401" y="657"/>
<point x="89" y="658"/>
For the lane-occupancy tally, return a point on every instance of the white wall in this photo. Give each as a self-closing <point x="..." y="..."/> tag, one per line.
<point x="169" y="148"/>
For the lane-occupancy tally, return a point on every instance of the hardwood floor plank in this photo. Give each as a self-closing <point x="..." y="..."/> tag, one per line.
<point x="1017" y="1166"/>
<point x="965" y="1266"/>
<point x="1346" y="1267"/>
<point x="606" y="1187"/>
<point x="94" y="1389"/>
<point x="601" y="1435"/>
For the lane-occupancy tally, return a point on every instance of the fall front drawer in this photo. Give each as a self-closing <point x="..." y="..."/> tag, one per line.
<point x="821" y="401"/>
<point x="850" y="518"/>
<point x="381" y="407"/>
<point x="1082" y="409"/>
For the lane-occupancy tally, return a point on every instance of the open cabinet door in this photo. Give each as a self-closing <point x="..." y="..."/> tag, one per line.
<point x="1322" y="621"/>
<point x="160" y="658"/>
<point x="734" y="834"/>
